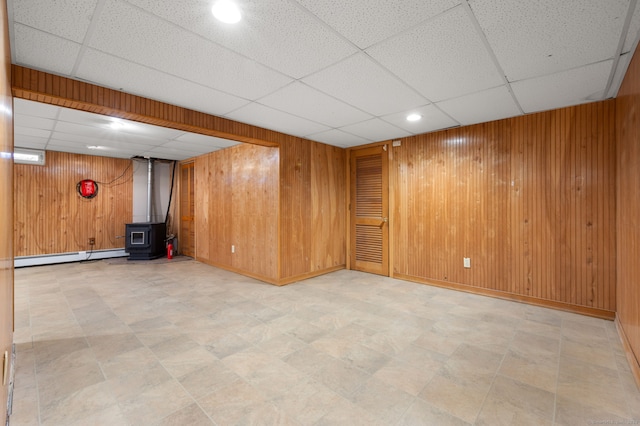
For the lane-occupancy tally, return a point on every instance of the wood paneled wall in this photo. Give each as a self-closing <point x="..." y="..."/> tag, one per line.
<point x="531" y="200"/>
<point x="312" y="209"/>
<point x="50" y="216"/>
<point x="628" y="212"/>
<point x="6" y="207"/>
<point x="236" y="203"/>
<point x="283" y="209"/>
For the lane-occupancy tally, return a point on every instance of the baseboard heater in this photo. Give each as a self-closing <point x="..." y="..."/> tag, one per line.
<point x="50" y="259"/>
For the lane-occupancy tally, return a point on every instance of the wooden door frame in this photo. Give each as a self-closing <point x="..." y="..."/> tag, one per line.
<point x="387" y="147"/>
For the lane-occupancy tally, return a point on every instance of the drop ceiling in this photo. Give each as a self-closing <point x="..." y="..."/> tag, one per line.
<point x="345" y="73"/>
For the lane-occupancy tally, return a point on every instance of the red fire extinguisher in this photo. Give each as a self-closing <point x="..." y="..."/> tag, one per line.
<point x="170" y="250"/>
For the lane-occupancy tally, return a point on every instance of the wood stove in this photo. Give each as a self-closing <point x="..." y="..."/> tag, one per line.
<point x="145" y="241"/>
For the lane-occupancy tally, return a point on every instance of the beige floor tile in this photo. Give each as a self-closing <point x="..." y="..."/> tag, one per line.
<point x="309" y="359"/>
<point x="281" y="346"/>
<point x="109" y="346"/>
<point x="275" y="379"/>
<point x="385" y="402"/>
<point x="156" y="403"/>
<point x="55" y="387"/>
<point x="268" y="414"/>
<point x="97" y="342"/>
<point x="108" y="417"/>
<point x="365" y="359"/>
<point x="77" y="406"/>
<point x="340" y="377"/>
<point x="594" y="352"/>
<point x="422" y="413"/>
<point x="231" y="404"/>
<point x="538" y="371"/>
<point x="435" y="341"/>
<point x="128" y="386"/>
<point x="523" y="403"/>
<point x="344" y="412"/>
<point x="169" y="344"/>
<point x="472" y="365"/>
<point x="307" y="401"/>
<point x="185" y="362"/>
<point x="208" y="379"/>
<point x="593" y="385"/>
<point x="404" y="376"/>
<point x="125" y="363"/>
<point x="574" y="413"/>
<point x="462" y="400"/>
<point x="25" y="405"/>
<point x="191" y="415"/>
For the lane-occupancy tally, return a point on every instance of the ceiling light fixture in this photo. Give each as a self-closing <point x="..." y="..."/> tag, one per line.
<point x="116" y="125"/>
<point x="95" y="147"/>
<point x="226" y="11"/>
<point x="414" y="117"/>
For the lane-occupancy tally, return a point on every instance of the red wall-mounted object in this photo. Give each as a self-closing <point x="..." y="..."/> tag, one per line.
<point x="87" y="188"/>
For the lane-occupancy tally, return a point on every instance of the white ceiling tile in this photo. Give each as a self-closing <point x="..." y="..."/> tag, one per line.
<point x="375" y="130"/>
<point x="130" y="33"/>
<point x="22" y="120"/>
<point x="25" y="141"/>
<point x="366" y="22"/>
<point x="488" y="105"/>
<point x="303" y="101"/>
<point x="188" y="149"/>
<point x="206" y="141"/>
<point x="35" y="109"/>
<point x="29" y="131"/>
<point x="276" y="33"/>
<point x="338" y="138"/>
<point x="63" y="146"/>
<point x="534" y="38"/>
<point x="44" y="51"/>
<point x="80" y="132"/>
<point x="360" y="82"/>
<point x="102" y="123"/>
<point x="632" y="32"/>
<point x="418" y="51"/>
<point x="269" y="118"/>
<point x="442" y="59"/>
<point x="170" y="153"/>
<point x="571" y="87"/>
<point x="69" y="19"/>
<point x="432" y="119"/>
<point x="107" y="70"/>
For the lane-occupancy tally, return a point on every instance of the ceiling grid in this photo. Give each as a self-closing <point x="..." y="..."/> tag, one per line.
<point x="345" y="73"/>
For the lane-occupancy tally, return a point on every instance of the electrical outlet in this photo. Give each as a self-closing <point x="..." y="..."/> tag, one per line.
<point x="467" y="262"/>
<point x="92" y="241"/>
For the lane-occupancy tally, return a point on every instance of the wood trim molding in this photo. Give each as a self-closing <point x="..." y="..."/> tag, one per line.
<point x="34" y="85"/>
<point x="583" y="310"/>
<point x="269" y="280"/>
<point x="290" y="280"/>
<point x="634" y="363"/>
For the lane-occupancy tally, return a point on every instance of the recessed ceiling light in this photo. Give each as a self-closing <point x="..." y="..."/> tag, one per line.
<point x="95" y="147"/>
<point x="413" y="117"/>
<point x="226" y="11"/>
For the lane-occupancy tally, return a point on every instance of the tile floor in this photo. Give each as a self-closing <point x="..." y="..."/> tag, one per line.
<point x="184" y="343"/>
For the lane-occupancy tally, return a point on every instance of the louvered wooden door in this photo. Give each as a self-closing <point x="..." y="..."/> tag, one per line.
<point x="370" y="210"/>
<point x="187" y="241"/>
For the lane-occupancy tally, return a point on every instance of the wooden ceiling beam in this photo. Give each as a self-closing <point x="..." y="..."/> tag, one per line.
<point x="40" y="86"/>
